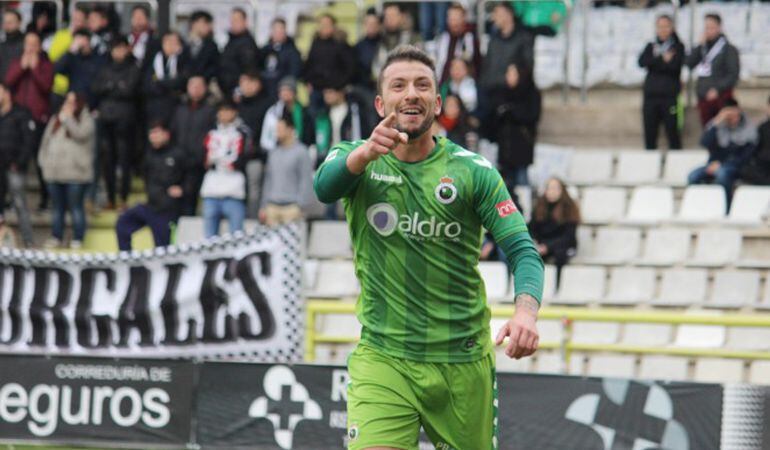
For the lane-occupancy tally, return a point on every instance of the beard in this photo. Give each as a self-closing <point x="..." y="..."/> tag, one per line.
<point x="424" y="126"/>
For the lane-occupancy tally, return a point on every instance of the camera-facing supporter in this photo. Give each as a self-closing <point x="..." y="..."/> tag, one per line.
<point x="302" y="121"/>
<point x="343" y="118"/>
<point x="663" y="58"/>
<point x="253" y="103"/>
<point x="142" y="37"/>
<point x="288" y="177"/>
<point x="731" y="140"/>
<point x="13" y="42"/>
<point x="241" y="53"/>
<point x="17" y="141"/>
<point x="516" y="116"/>
<point x="165" y="79"/>
<point x="281" y="58"/>
<point x="204" y="53"/>
<point x="80" y="65"/>
<point x="458" y="41"/>
<point x="457" y="124"/>
<point x="101" y="30"/>
<point x="66" y="157"/>
<point x="757" y="170"/>
<point x="116" y="87"/>
<point x="193" y="118"/>
<point x="44" y="24"/>
<point x="60" y="45"/>
<point x="165" y="177"/>
<point x="554" y="223"/>
<point x="366" y="50"/>
<point x="30" y="78"/>
<point x="396" y="31"/>
<point x="224" y="184"/>
<point x="330" y="62"/>
<point x="461" y="84"/>
<point x="716" y="66"/>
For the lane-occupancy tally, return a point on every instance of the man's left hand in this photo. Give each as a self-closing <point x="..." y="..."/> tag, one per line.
<point x="521" y="330"/>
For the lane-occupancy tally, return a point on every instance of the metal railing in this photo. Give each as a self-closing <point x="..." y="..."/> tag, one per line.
<point x="567" y="317"/>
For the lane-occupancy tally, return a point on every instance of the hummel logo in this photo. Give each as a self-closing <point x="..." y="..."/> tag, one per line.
<point x="386" y="178"/>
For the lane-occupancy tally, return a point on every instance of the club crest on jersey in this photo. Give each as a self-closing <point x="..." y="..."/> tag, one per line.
<point x="446" y="191"/>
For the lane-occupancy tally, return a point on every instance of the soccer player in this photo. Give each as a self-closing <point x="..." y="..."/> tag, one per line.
<point x="416" y="205"/>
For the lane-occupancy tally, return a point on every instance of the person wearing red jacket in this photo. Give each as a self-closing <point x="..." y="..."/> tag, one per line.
<point x="30" y="80"/>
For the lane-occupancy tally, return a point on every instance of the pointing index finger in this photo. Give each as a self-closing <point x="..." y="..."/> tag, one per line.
<point x="389" y="121"/>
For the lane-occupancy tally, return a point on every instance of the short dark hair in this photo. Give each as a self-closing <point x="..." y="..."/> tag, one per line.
<point x="287" y="118"/>
<point x="714" y="16"/>
<point x="280" y="20"/>
<point x="665" y="17"/>
<point x="97" y="10"/>
<point x="406" y="53"/>
<point x="141" y="8"/>
<point x="252" y="74"/>
<point x="174" y="33"/>
<point x="201" y="15"/>
<point x="391" y="5"/>
<point x="731" y="103"/>
<point x="227" y="104"/>
<point x="118" y="40"/>
<point x="506" y="6"/>
<point x="14" y="12"/>
<point x="33" y="32"/>
<point x="82" y="32"/>
<point x="240" y="11"/>
<point x="328" y="16"/>
<point x="457" y="6"/>
<point x="158" y="123"/>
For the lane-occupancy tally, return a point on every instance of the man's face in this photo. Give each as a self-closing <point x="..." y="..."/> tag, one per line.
<point x="226" y="115"/>
<point x="371" y="26"/>
<point x="409" y="90"/>
<point x="196" y="88"/>
<point x="325" y="27"/>
<point x="711" y="29"/>
<point x="733" y="116"/>
<point x="392" y="18"/>
<point x="282" y="131"/>
<point x="31" y="44"/>
<point x="119" y="53"/>
<point x="11" y="23"/>
<point x="455" y="20"/>
<point x="83" y="43"/>
<point x="278" y="32"/>
<point x="139" y="21"/>
<point x="159" y="137"/>
<point x="96" y="21"/>
<point x="249" y="86"/>
<point x="201" y="28"/>
<point x="286" y="95"/>
<point x="237" y="23"/>
<point x="458" y="70"/>
<point x="501" y="17"/>
<point x="333" y="97"/>
<point x="78" y="20"/>
<point x="171" y="45"/>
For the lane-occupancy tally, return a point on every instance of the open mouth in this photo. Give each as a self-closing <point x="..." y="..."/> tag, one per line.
<point x="411" y="111"/>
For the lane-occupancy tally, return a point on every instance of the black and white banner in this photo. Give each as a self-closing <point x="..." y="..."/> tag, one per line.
<point x="94" y="400"/>
<point x="234" y="297"/>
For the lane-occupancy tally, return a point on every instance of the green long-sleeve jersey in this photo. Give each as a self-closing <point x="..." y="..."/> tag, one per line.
<point x="416" y="230"/>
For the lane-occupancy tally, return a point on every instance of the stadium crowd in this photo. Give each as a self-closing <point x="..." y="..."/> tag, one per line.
<point x="223" y="132"/>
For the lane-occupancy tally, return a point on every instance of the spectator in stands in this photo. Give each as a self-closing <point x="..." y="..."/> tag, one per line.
<point x="288" y="177"/>
<point x="240" y="54"/>
<point x="329" y="63"/>
<point x="165" y="178"/>
<point x="731" y="140"/>
<point x="459" y="41"/>
<point x="395" y="32"/>
<point x="253" y="103"/>
<point x="60" y="45"/>
<point x="432" y="18"/>
<point x="116" y="87"/>
<point x="757" y="170"/>
<point x="204" y="53"/>
<point x="554" y="223"/>
<point x="716" y="64"/>
<point x="13" y="42"/>
<point x="302" y="121"/>
<point x="165" y="79"/>
<point x="344" y="118"/>
<point x="142" y="38"/>
<point x="101" y="32"/>
<point x="30" y="78"/>
<point x="663" y="59"/>
<point x="224" y="185"/>
<point x="17" y="130"/>
<point x="461" y="84"/>
<point x="66" y="157"/>
<point x="457" y="124"/>
<point x="43" y="24"/>
<point x="509" y="45"/>
<point x="282" y="59"/>
<point x="193" y="119"/>
<point x="516" y="117"/>
<point x="366" y="49"/>
<point x="80" y="64"/>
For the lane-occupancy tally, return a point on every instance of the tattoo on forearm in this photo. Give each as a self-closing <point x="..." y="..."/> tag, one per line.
<point x="528" y="302"/>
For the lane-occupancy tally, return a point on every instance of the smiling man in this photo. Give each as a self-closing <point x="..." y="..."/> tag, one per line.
<point x="416" y="205"/>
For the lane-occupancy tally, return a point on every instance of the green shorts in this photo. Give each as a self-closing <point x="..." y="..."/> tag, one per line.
<point x="390" y="398"/>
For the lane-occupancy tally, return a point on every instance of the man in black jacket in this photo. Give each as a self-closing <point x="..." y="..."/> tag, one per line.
<point x="757" y="170"/>
<point x="663" y="59"/>
<point x="716" y="64"/>
<point x="165" y="178"/>
<point x="116" y="87"/>
<point x="81" y="64"/>
<point x="253" y="103"/>
<point x="240" y="54"/>
<point x="330" y="63"/>
<point x="12" y="45"/>
<point x="165" y="79"/>
<point x="282" y="59"/>
<point x="16" y="139"/>
<point x="204" y="53"/>
<point x="192" y="121"/>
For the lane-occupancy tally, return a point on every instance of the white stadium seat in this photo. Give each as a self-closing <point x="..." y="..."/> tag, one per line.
<point x="748" y="338"/>
<point x="338" y="325"/>
<point x="702" y="204"/>
<point x="335" y="279"/>
<point x="602" y="205"/>
<point x="548" y="362"/>
<point x="717" y="370"/>
<point x="650" y="205"/>
<point x="549" y="283"/>
<point x="495" y="276"/>
<point x="600" y="333"/>
<point x="682" y="287"/>
<point x="680" y="163"/>
<point x="663" y="368"/>
<point x="581" y="285"/>
<point x="585" y="242"/>
<point x="665" y="247"/>
<point x="612" y="366"/>
<point x="700" y="336"/>
<point x="615" y="246"/>
<point x="647" y="334"/>
<point x="749" y="205"/>
<point x="329" y="239"/>
<point x="590" y="167"/>
<point x="630" y="286"/>
<point x="716" y="248"/>
<point x="759" y="372"/>
<point x="734" y="289"/>
<point x="637" y="167"/>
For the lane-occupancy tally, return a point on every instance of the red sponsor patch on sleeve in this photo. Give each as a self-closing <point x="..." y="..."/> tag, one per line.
<point x="506" y="208"/>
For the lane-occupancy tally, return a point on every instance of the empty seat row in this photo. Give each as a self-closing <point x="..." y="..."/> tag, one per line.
<point x="589" y="167"/>
<point x="701" y="204"/>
